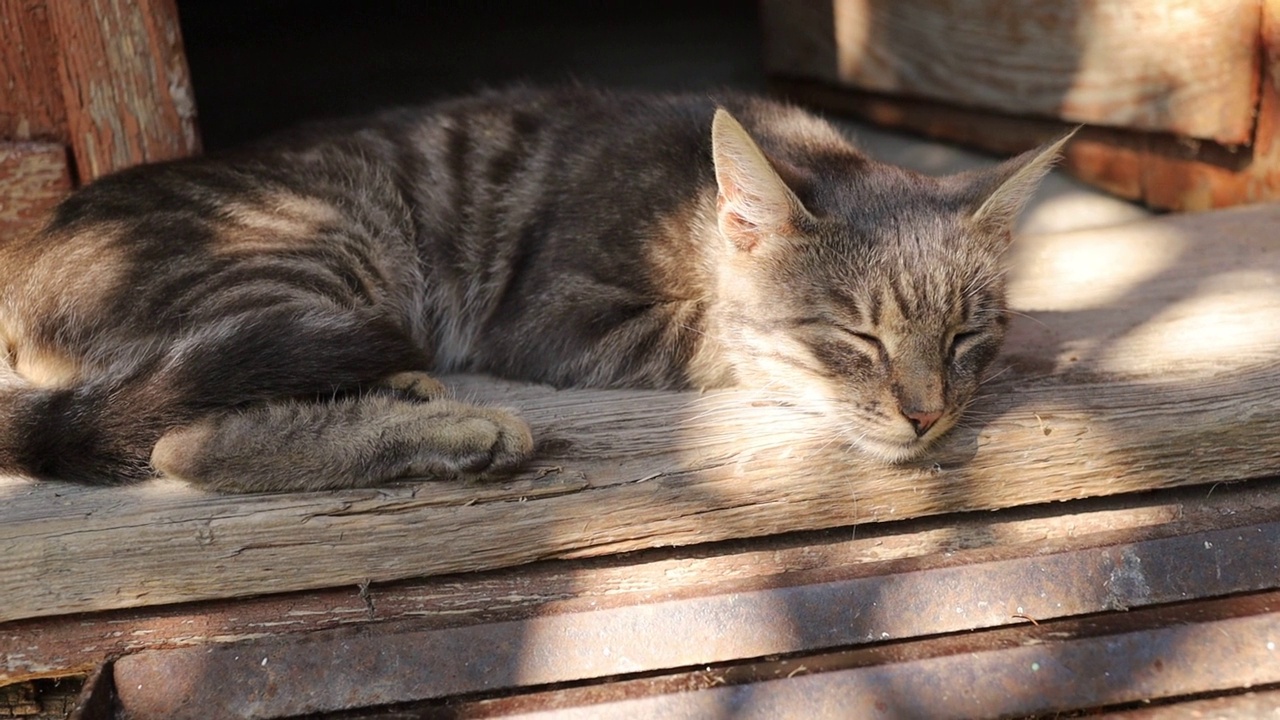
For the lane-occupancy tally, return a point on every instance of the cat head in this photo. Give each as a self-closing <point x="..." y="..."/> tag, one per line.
<point x="870" y="293"/>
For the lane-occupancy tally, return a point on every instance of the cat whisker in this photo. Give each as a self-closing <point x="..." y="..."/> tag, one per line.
<point x="995" y="375"/>
<point x="1032" y="318"/>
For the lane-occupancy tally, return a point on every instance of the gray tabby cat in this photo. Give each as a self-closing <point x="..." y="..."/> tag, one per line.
<point x="266" y="320"/>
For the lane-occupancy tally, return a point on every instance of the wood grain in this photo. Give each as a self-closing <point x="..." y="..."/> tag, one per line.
<point x="124" y="82"/>
<point x="33" y="178"/>
<point x="1151" y="359"/>
<point x="1189" y="67"/>
<point x="30" y="99"/>
<point x="52" y="647"/>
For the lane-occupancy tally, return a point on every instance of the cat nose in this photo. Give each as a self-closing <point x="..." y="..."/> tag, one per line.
<point x="922" y="420"/>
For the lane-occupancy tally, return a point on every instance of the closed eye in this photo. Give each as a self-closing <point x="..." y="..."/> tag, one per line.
<point x="962" y="340"/>
<point x="867" y="339"/>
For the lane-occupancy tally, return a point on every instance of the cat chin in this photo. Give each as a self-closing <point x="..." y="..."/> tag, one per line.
<point x="891" y="452"/>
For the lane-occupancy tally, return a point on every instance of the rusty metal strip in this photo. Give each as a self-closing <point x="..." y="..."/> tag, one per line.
<point x="1065" y="666"/>
<point x="355" y="668"/>
<point x="1242" y="706"/>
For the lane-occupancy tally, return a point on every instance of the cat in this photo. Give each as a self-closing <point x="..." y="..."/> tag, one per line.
<point x="266" y="320"/>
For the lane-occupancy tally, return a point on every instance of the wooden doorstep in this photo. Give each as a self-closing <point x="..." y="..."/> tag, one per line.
<point x="1149" y="360"/>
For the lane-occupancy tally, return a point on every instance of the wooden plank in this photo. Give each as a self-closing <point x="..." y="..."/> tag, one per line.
<point x="31" y="101"/>
<point x="1150" y="360"/>
<point x="1188" y="67"/>
<point x="125" y="83"/>
<point x="52" y="647"/>
<point x="33" y="178"/>
<point x="1159" y="170"/>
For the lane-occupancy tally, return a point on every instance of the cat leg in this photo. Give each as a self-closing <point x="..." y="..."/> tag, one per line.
<point x="357" y="441"/>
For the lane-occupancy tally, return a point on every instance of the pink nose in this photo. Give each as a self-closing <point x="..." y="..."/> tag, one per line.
<point x="922" y="420"/>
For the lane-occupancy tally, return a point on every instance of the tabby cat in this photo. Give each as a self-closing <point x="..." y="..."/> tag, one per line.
<point x="265" y="320"/>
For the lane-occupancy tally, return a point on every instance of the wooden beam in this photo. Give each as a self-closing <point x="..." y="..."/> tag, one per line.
<point x="1149" y="360"/>
<point x="124" y="82"/>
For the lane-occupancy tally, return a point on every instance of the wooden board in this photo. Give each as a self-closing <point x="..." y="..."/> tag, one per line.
<point x="33" y="178"/>
<point x="124" y="82"/>
<point x="1150" y="358"/>
<point x="1188" y="67"/>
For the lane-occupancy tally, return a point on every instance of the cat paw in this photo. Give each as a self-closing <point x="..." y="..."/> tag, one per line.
<point x="415" y="384"/>
<point x="472" y="442"/>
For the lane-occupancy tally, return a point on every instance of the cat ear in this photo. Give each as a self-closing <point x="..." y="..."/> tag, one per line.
<point x="754" y="205"/>
<point x="1005" y="190"/>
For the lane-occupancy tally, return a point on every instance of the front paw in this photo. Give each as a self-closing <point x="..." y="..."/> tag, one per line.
<point x="471" y="442"/>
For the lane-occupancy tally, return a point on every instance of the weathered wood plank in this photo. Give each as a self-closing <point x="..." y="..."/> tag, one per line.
<point x="52" y="647"/>
<point x="1151" y="359"/>
<point x="124" y="82"/>
<point x="30" y="98"/>
<point x="1189" y="67"/>
<point x="33" y="178"/>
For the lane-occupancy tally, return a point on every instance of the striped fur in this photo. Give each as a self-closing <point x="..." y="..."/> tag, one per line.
<point x="248" y="322"/>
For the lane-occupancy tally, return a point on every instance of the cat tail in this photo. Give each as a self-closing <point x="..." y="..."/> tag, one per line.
<point x="99" y="433"/>
<point x="102" y="431"/>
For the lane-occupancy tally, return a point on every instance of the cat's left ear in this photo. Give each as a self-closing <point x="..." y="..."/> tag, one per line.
<point x="755" y="208"/>
<point x="1003" y="191"/>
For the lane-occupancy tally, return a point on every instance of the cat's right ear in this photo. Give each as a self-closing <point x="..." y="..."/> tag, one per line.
<point x="754" y="206"/>
<point x="1004" y="190"/>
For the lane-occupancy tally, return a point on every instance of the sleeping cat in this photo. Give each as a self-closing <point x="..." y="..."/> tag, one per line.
<point x="266" y="320"/>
